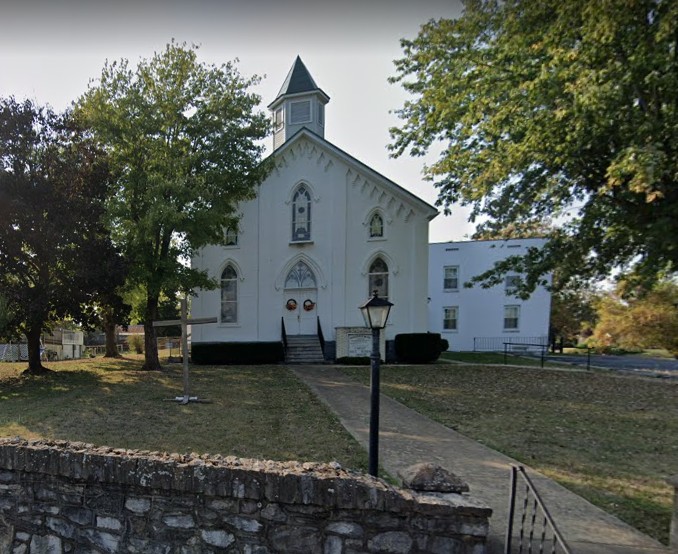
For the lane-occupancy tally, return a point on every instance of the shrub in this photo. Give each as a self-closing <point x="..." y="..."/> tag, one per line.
<point x="444" y="345"/>
<point x="355" y="360"/>
<point x="136" y="342"/>
<point x="418" y="348"/>
<point x="237" y="353"/>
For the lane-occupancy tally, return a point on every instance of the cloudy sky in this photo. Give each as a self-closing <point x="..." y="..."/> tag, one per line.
<point x="51" y="49"/>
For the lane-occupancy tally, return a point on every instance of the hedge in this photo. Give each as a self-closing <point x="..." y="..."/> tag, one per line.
<point x="418" y="348"/>
<point x="355" y="360"/>
<point x="237" y="353"/>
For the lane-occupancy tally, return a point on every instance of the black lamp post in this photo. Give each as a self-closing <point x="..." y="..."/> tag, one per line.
<point x="375" y="312"/>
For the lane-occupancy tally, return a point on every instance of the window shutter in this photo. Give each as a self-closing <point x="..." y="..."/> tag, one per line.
<point x="300" y="112"/>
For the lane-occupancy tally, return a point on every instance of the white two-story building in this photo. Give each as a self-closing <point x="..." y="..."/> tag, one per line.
<point x="476" y="318"/>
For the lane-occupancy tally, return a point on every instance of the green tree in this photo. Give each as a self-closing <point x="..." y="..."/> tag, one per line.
<point x="554" y="109"/>
<point x="5" y="316"/>
<point x="56" y="256"/>
<point x="573" y="313"/>
<point x="182" y="137"/>
<point x="646" y="320"/>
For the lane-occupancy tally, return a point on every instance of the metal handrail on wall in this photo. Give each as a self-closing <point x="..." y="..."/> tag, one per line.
<point x="532" y="530"/>
<point x="283" y="335"/>
<point x="321" y="337"/>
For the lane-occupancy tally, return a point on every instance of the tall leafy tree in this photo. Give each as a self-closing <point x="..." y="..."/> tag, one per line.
<point x="55" y="253"/>
<point x="183" y="139"/>
<point x="637" y="321"/>
<point x="554" y="109"/>
<point x="5" y="316"/>
<point x="573" y="313"/>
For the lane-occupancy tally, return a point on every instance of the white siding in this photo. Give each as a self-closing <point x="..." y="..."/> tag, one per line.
<point x="480" y="311"/>
<point x="343" y="197"/>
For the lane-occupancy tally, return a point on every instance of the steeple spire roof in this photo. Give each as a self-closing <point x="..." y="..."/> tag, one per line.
<point x="298" y="81"/>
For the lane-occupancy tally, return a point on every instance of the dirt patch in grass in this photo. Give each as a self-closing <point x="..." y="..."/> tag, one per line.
<point x="258" y="412"/>
<point x="609" y="438"/>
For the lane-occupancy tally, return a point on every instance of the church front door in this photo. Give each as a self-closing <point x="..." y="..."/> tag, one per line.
<point x="301" y="297"/>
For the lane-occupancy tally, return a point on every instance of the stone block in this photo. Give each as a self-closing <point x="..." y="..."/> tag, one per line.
<point x="345" y="529"/>
<point x="61" y="527"/>
<point x="432" y="478"/>
<point x="273" y="512"/>
<point x="218" y="538"/>
<point x="82" y="516"/>
<point x="255" y="549"/>
<point x="105" y="503"/>
<point x="295" y="540"/>
<point x="46" y="544"/>
<point x="223" y="505"/>
<point x="103" y="540"/>
<point x="391" y="542"/>
<point x="179" y="521"/>
<point x="333" y="545"/>
<point x="138" y="505"/>
<point x="105" y="522"/>
<point x="246" y="524"/>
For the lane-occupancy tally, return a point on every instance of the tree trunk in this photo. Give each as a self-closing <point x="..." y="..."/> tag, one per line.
<point x="109" y="330"/>
<point x="151" y="362"/>
<point x="35" y="366"/>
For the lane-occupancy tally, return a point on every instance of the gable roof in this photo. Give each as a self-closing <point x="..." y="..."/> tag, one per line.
<point x="298" y="81"/>
<point x="431" y="211"/>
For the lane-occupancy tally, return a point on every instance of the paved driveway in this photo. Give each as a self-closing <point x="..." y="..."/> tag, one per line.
<point x="629" y="362"/>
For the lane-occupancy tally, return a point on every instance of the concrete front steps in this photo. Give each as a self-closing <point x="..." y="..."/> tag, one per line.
<point x="304" y="349"/>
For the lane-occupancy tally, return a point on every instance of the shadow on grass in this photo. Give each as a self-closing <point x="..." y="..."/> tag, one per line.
<point x="255" y="412"/>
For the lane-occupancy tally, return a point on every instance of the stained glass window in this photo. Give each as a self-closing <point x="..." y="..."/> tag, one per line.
<point x="229" y="295"/>
<point x="376" y="226"/>
<point x="231" y="236"/>
<point x="378" y="278"/>
<point x="301" y="215"/>
<point x="300" y="277"/>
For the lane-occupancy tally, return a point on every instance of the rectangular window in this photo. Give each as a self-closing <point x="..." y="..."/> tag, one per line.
<point x="511" y="283"/>
<point x="321" y="114"/>
<point x="450" y="318"/>
<point x="451" y="277"/>
<point x="300" y="112"/>
<point x="511" y="318"/>
<point x="231" y="237"/>
<point x="278" y="119"/>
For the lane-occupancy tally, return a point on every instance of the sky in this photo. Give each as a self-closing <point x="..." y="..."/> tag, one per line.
<point x="50" y="50"/>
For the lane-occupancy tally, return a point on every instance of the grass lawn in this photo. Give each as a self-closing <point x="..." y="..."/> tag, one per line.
<point x="609" y="438"/>
<point x="255" y="412"/>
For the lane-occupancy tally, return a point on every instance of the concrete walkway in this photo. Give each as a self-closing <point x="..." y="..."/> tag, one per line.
<point x="406" y="438"/>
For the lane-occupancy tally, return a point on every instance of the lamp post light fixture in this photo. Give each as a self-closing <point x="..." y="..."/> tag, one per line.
<point x="375" y="313"/>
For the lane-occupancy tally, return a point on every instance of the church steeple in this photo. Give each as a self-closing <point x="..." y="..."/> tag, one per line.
<point x="300" y="103"/>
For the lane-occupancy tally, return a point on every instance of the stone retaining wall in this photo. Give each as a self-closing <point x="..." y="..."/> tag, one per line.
<point x="70" y="497"/>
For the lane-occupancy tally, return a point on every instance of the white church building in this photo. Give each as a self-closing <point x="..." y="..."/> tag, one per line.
<point x="323" y="232"/>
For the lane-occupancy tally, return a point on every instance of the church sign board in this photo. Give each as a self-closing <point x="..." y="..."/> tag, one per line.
<point x="356" y="342"/>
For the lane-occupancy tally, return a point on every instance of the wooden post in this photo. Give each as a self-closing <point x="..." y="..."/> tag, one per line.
<point x="185" y="321"/>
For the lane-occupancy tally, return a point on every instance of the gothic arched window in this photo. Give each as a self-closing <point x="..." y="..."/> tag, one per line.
<point x="231" y="236"/>
<point x="378" y="278"/>
<point x="300" y="277"/>
<point x="229" y="295"/>
<point x="376" y="226"/>
<point x="301" y="215"/>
